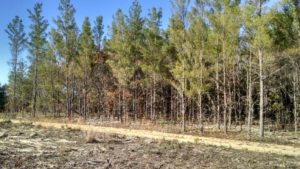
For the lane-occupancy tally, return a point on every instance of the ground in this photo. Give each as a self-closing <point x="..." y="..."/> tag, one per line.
<point x="23" y="145"/>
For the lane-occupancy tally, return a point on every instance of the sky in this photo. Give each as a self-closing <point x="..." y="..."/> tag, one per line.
<point x="91" y="8"/>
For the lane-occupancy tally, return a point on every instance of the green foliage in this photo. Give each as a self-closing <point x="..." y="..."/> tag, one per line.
<point x="282" y="28"/>
<point x="177" y="28"/>
<point x="16" y="35"/>
<point x="116" y="45"/>
<point x="98" y="31"/>
<point x="36" y="45"/>
<point x="152" y="46"/>
<point x="65" y="35"/>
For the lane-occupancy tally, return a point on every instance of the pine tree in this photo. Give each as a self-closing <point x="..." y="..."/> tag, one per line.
<point x="177" y="28"/>
<point x="285" y="33"/>
<point x="134" y="37"/>
<point x="296" y="11"/>
<point x="118" y="61"/>
<point x="65" y="40"/>
<point x="99" y="68"/>
<point x="36" y="46"/>
<point x="86" y="52"/>
<point x="48" y="80"/>
<point x="16" y="35"/>
<point x="197" y="40"/>
<point x="151" y="49"/>
<point x="24" y="86"/>
<point x="124" y="44"/>
<point x="214" y="17"/>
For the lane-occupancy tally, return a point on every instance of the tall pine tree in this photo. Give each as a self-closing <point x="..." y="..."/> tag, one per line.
<point x="36" y="46"/>
<point x="16" y="35"/>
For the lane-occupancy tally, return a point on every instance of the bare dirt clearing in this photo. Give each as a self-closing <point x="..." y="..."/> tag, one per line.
<point x="235" y="144"/>
<point x="27" y="146"/>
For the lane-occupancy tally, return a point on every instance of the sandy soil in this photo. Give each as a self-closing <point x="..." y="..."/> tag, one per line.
<point x="23" y="145"/>
<point x="235" y="144"/>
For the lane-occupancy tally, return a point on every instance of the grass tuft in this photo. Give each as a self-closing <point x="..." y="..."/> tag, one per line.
<point x="90" y="136"/>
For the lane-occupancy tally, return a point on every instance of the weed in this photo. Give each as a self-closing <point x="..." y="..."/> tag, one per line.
<point x="38" y="126"/>
<point x="90" y="136"/>
<point x="80" y="121"/>
<point x="196" y="140"/>
<point x="109" y="138"/>
<point x="5" y="121"/>
<point x="63" y="150"/>
<point x="75" y="128"/>
<point x="283" y="160"/>
<point x="26" y="123"/>
<point x="249" y="162"/>
<point x="111" y="141"/>
<point x="169" y="143"/>
<point x="173" y="155"/>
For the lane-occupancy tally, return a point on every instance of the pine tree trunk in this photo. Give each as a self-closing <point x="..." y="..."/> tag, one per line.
<point x="133" y="99"/>
<point x="261" y="94"/>
<point x="218" y="92"/>
<point x="72" y="97"/>
<point x="124" y="105"/>
<point x="234" y="99"/>
<point x="85" y="95"/>
<point x="146" y="105"/>
<point x="295" y="102"/>
<point x="57" y="97"/>
<point x="84" y="106"/>
<point x="224" y="90"/>
<point x="230" y="108"/>
<point x="172" y="106"/>
<point x="183" y="112"/>
<point x="34" y="89"/>
<point x="151" y="103"/>
<point x="15" y="82"/>
<point x="182" y="100"/>
<point x="98" y="104"/>
<point x="200" y="115"/>
<point x="67" y="96"/>
<point x="154" y="100"/>
<point x="239" y="97"/>
<point x="193" y="112"/>
<point x="120" y="107"/>
<point x="261" y="83"/>
<point x="250" y="95"/>
<point x="190" y="111"/>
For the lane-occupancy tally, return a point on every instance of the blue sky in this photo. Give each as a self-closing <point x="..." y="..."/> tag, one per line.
<point x="91" y="8"/>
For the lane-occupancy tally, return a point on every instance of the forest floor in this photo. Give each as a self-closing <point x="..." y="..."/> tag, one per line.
<point x="57" y="145"/>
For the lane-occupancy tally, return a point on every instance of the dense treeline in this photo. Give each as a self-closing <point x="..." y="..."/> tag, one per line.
<point x="3" y="98"/>
<point x="218" y="61"/>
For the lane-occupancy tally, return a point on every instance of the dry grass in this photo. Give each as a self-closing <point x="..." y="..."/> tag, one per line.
<point x="108" y="137"/>
<point x="90" y="136"/>
<point x="278" y="137"/>
<point x="80" y="121"/>
<point x="5" y="121"/>
<point x="63" y="150"/>
<point x="136" y="153"/>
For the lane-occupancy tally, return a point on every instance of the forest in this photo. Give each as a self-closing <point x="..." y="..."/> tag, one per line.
<point x="223" y="62"/>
